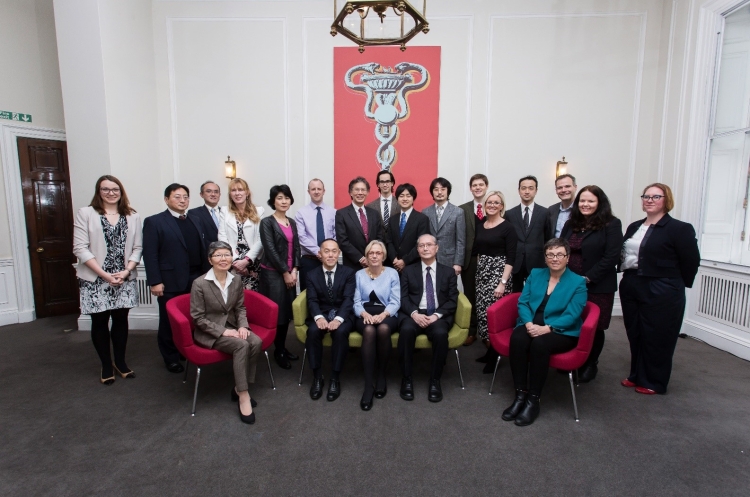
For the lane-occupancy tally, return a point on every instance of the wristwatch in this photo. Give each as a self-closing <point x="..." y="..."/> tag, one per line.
<point x="504" y="282"/>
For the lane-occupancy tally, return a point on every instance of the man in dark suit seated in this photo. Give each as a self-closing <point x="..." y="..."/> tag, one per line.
<point x="210" y="213"/>
<point x="330" y="298"/>
<point x="175" y="254"/>
<point x="404" y="228"/>
<point x="429" y="298"/>
<point x="357" y="225"/>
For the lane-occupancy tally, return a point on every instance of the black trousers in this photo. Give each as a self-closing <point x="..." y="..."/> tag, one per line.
<point x="306" y="264"/>
<point x="169" y="352"/>
<point x="653" y="309"/>
<point x="519" y="278"/>
<point x="339" y="347"/>
<point x="469" y="281"/>
<point x="101" y="336"/>
<point x="530" y="356"/>
<point x="437" y="334"/>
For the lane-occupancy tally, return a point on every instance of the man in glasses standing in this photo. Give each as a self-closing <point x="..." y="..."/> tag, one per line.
<point x="386" y="204"/>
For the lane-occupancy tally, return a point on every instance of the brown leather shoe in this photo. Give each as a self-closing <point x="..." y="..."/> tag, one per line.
<point x="469" y="340"/>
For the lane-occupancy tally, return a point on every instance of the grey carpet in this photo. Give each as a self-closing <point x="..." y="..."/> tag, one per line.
<point x="62" y="433"/>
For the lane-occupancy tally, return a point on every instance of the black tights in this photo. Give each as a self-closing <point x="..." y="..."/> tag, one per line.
<point x="531" y="356"/>
<point x="376" y="346"/>
<point x="101" y="335"/>
<point x="596" y="348"/>
<point x="279" y="341"/>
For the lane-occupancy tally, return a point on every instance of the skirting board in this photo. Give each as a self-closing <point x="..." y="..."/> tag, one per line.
<point x="718" y="338"/>
<point x="135" y="322"/>
<point x="9" y="317"/>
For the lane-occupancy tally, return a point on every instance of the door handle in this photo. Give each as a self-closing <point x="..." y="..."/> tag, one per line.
<point x="40" y="249"/>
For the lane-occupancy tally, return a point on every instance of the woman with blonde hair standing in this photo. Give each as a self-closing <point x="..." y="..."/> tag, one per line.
<point x="107" y="241"/>
<point x="240" y="228"/>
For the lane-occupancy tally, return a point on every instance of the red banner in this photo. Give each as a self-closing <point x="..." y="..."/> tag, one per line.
<point x="386" y="105"/>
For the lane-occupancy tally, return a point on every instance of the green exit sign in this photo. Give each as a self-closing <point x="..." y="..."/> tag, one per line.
<point x="15" y="116"/>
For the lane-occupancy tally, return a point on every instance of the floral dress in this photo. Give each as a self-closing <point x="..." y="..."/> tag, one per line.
<point x="253" y="268"/>
<point x="98" y="295"/>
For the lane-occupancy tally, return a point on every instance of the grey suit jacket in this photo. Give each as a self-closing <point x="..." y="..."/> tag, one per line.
<point x="450" y="234"/>
<point x="375" y="204"/>
<point x="530" y="253"/>
<point x="554" y="212"/>
<point x="209" y="312"/>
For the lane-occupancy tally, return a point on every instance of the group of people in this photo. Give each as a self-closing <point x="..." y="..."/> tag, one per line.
<point x="399" y="273"/>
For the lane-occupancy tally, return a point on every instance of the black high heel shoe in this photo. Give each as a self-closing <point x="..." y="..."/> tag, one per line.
<point x="282" y="360"/>
<point x="235" y="398"/>
<point x="246" y="419"/>
<point x="365" y="404"/>
<point x="130" y="374"/>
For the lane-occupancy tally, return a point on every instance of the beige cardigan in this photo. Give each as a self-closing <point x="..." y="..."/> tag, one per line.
<point x="88" y="241"/>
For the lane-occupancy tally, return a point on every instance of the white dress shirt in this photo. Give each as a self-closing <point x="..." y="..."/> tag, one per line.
<point x="631" y="248"/>
<point x="210" y="276"/>
<point x="423" y="302"/>
<point x="176" y="214"/>
<point x="333" y="280"/>
<point x="531" y="211"/>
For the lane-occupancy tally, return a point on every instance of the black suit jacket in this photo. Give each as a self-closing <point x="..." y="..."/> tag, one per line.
<point x="554" y="213"/>
<point x="530" y="253"/>
<point x="165" y="253"/>
<point x="446" y="288"/>
<point x="276" y="246"/>
<point x="344" y="284"/>
<point x="601" y="254"/>
<point x="351" y="238"/>
<point x="405" y="247"/>
<point x="211" y="230"/>
<point x="669" y="250"/>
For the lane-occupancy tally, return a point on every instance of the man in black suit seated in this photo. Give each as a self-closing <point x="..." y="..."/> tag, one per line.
<point x="404" y="228"/>
<point x="429" y="298"/>
<point x="210" y="213"/>
<point x="174" y="253"/>
<point x="357" y="225"/>
<point x="330" y="299"/>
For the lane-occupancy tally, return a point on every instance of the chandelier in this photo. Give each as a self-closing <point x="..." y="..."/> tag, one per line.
<point x="351" y="21"/>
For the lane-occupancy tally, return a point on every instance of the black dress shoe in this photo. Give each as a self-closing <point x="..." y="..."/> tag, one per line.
<point x="316" y="390"/>
<point x="380" y="393"/>
<point x="489" y="357"/>
<point x="365" y="404"/>
<point x="587" y="373"/>
<point x="290" y="356"/>
<point x="334" y="390"/>
<point x="234" y="398"/>
<point x="407" y="388"/>
<point x="529" y="412"/>
<point x="175" y="367"/>
<point x="511" y="413"/>
<point x="282" y="360"/>
<point x="246" y="419"/>
<point x="436" y="393"/>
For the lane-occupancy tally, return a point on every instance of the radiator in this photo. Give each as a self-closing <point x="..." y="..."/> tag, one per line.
<point x="725" y="299"/>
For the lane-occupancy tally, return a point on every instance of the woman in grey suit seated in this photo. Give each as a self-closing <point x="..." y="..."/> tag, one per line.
<point x="217" y="305"/>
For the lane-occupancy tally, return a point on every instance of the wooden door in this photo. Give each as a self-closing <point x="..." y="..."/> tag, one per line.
<point x="49" y="225"/>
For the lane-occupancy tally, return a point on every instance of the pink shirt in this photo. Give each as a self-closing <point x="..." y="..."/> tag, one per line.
<point x="289" y="234"/>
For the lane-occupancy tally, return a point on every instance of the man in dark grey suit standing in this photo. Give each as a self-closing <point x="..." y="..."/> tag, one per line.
<point x="210" y="213"/>
<point x="559" y="213"/>
<point x="447" y="224"/>
<point x="531" y="222"/>
<point x="386" y="203"/>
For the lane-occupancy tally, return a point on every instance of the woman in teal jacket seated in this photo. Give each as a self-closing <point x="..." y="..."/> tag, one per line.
<point x="549" y="322"/>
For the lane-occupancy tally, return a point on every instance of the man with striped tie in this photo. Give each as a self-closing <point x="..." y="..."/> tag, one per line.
<point x="404" y="228"/>
<point x="316" y="222"/>
<point x="429" y="298"/>
<point x="385" y="204"/>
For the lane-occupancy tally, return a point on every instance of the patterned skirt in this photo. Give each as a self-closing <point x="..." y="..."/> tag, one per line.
<point x="100" y="296"/>
<point x="489" y="273"/>
<point x="252" y="281"/>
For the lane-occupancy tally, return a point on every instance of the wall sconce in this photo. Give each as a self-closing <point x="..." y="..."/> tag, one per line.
<point x="230" y="168"/>
<point x="562" y="168"/>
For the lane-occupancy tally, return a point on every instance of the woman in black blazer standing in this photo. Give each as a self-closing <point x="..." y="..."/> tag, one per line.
<point x="660" y="257"/>
<point x="595" y="238"/>
<point x="278" y="266"/>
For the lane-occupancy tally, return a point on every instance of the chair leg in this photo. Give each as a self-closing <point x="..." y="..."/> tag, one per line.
<point x="273" y="384"/>
<point x="195" y="393"/>
<point x="302" y="369"/>
<point x="573" y="391"/>
<point x="497" y="364"/>
<point x="187" y="366"/>
<point x="460" y="374"/>
<point x="577" y="380"/>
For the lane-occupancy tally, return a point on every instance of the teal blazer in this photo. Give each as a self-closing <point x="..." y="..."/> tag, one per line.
<point x="565" y="304"/>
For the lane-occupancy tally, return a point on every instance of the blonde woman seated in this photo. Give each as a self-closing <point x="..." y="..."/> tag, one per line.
<point x="376" y="303"/>
<point x="217" y="305"/>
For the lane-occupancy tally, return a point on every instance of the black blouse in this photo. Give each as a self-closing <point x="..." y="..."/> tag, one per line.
<point x="497" y="242"/>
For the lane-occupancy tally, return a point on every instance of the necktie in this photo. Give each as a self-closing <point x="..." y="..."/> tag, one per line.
<point x="402" y="225"/>
<point x="440" y="213"/>
<point x="321" y="234"/>
<point x="183" y="217"/>
<point x="480" y="214"/>
<point x="526" y="218"/>
<point x="363" y="222"/>
<point x="430" y="289"/>
<point x="330" y="285"/>
<point x="213" y="215"/>
<point x="386" y="212"/>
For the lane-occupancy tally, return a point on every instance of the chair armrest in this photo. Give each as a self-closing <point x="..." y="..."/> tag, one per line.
<point x="299" y="309"/>
<point x="503" y="314"/>
<point x="463" y="312"/>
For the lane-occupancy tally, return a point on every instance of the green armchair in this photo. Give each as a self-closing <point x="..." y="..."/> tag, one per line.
<point x="456" y="336"/>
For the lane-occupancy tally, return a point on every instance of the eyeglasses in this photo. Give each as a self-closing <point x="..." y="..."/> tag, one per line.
<point x="655" y="198"/>
<point x="426" y="245"/>
<point x="180" y="198"/>
<point x="110" y="191"/>
<point x="384" y="182"/>
<point x="555" y="256"/>
<point x="494" y="203"/>
<point x="221" y="256"/>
